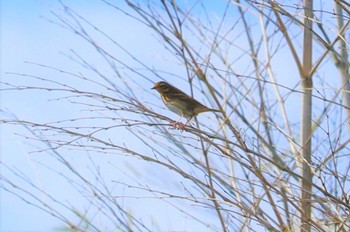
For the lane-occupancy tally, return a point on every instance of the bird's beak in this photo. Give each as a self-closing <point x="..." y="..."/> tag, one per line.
<point x="153" y="87"/>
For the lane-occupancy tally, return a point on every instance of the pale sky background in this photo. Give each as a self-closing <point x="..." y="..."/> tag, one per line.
<point x="27" y="35"/>
<point x="23" y="38"/>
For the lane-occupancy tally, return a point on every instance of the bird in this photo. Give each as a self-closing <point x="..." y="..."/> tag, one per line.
<point x="180" y="103"/>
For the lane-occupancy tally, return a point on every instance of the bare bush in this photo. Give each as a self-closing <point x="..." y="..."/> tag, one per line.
<point x="276" y="157"/>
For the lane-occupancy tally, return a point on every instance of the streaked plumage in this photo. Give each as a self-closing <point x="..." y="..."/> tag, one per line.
<point x="179" y="102"/>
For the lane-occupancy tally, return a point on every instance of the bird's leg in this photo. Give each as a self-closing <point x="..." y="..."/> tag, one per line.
<point x="175" y="124"/>
<point x="182" y="126"/>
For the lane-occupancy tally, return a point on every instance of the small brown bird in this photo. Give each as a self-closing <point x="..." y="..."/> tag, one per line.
<point x="179" y="102"/>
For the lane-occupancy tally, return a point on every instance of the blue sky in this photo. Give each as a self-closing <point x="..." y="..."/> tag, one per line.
<point x="24" y="37"/>
<point x="28" y="36"/>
